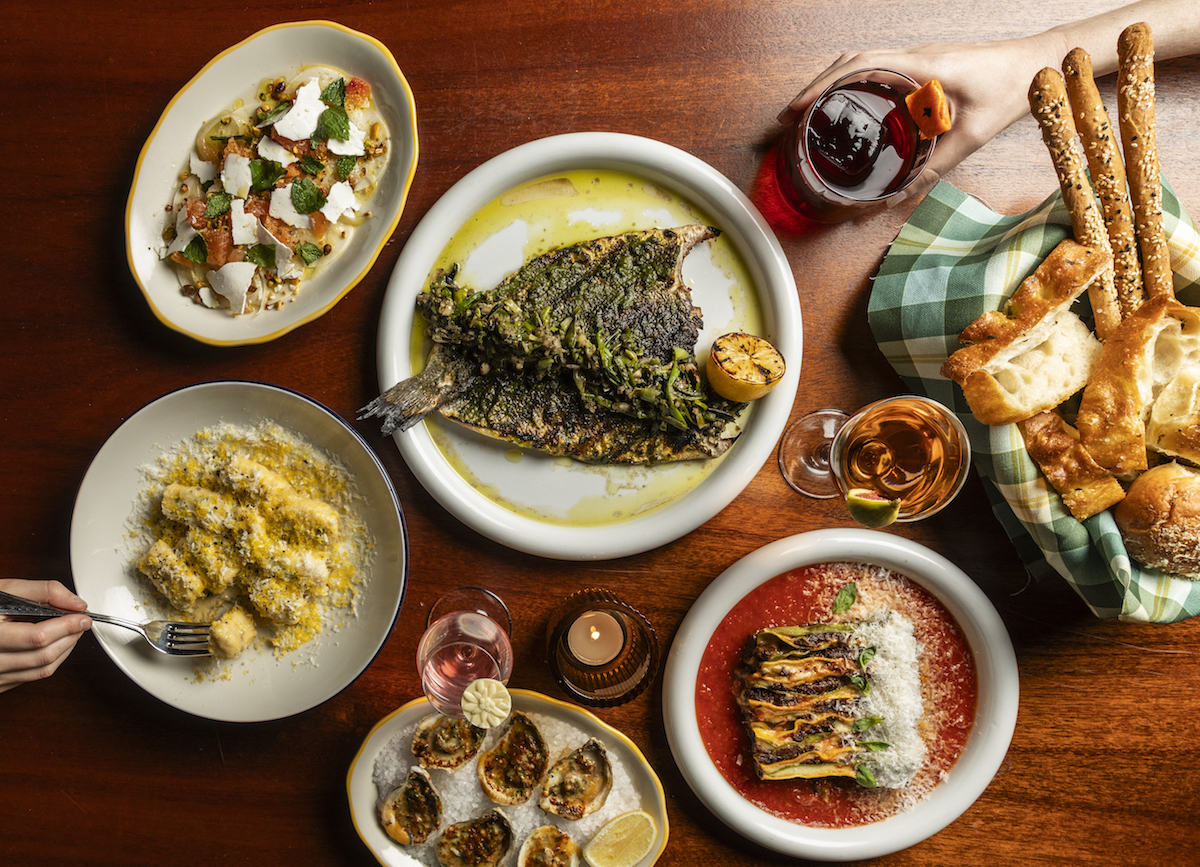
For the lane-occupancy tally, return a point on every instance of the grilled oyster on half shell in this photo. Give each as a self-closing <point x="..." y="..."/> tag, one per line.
<point x="444" y="742"/>
<point x="480" y="842"/>
<point x="511" y="771"/>
<point x="579" y="782"/>
<point x="413" y="810"/>
<point x="548" y="846"/>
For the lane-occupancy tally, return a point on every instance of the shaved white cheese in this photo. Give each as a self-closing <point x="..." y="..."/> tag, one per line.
<point x="244" y="226"/>
<point x="208" y="297"/>
<point x="341" y="200"/>
<point x="301" y="119"/>
<point x="283" y="209"/>
<point x="232" y="280"/>
<point x="235" y="176"/>
<point x="203" y="169"/>
<point x="895" y="695"/>
<point x="269" y="149"/>
<point x="351" y="147"/>
<point x="287" y="265"/>
<point x="183" y="233"/>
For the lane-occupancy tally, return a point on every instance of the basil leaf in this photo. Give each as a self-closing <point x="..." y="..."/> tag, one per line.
<point x="266" y="118"/>
<point x="333" y="123"/>
<point x="218" y="204"/>
<point x="196" y="250"/>
<point x="846" y="598"/>
<point x="345" y="165"/>
<point x="335" y="93"/>
<point x="866" y="722"/>
<point x="310" y="165"/>
<point x="875" y="746"/>
<point x="262" y="255"/>
<point x="307" y="196"/>
<point x="309" y="252"/>
<point x="264" y="174"/>
<point x="865" y="657"/>
<point x="861" y="682"/>
<point x="864" y="777"/>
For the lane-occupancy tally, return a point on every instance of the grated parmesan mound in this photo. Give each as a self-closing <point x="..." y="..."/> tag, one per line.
<point x="258" y="517"/>
<point x="463" y="797"/>
<point x="895" y="696"/>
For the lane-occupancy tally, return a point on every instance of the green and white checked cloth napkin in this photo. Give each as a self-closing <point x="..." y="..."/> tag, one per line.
<point x="954" y="260"/>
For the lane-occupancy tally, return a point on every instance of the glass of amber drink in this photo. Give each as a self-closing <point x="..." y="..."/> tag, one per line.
<point x="907" y="448"/>
<point x="856" y="145"/>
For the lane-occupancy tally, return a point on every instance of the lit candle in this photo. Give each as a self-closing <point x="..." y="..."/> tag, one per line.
<point x="595" y="638"/>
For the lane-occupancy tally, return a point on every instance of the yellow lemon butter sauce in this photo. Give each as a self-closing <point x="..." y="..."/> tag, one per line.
<point x="531" y="220"/>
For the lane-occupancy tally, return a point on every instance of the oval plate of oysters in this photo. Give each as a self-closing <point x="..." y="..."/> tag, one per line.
<point x="538" y="450"/>
<point x="386" y="762"/>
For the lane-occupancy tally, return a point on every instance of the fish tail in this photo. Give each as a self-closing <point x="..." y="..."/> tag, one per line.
<point x="410" y="400"/>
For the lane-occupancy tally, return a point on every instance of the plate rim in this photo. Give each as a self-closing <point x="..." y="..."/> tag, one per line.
<point x="178" y="393"/>
<point x="996" y="670"/>
<point x="410" y="130"/>
<point x="535" y="698"/>
<point x="658" y="162"/>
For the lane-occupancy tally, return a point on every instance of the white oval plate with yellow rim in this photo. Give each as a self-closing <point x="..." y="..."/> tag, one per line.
<point x="256" y="686"/>
<point x="282" y="50"/>
<point x="364" y="796"/>
<point x="543" y="195"/>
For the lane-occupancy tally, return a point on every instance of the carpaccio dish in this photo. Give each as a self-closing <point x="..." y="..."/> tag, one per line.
<point x="274" y="189"/>
<point x="834" y="783"/>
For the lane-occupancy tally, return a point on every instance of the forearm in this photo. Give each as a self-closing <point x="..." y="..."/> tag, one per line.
<point x="1174" y="23"/>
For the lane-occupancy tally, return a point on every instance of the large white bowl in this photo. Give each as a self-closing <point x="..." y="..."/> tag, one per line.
<point x="260" y="687"/>
<point x="235" y="73"/>
<point x="987" y="744"/>
<point x="480" y="484"/>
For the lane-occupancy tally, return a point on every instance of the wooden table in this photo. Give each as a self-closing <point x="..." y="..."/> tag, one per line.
<point x="95" y="771"/>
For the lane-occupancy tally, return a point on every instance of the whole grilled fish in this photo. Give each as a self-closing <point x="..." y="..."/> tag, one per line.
<point x="611" y="318"/>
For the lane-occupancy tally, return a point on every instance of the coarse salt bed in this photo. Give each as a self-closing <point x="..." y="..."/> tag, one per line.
<point x="462" y="797"/>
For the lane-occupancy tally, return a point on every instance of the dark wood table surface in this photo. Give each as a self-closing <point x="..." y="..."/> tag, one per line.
<point x="95" y="771"/>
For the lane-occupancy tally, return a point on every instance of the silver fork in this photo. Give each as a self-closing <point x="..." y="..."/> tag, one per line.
<point x="167" y="636"/>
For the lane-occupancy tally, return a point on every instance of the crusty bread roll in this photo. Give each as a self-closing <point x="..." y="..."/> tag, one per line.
<point x="1085" y="486"/>
<point x="1159" y="519"/>
<point x="1103" y="153"/>
<point x="1145" y="353"/>
<point x="1174" y="425"/>
<point x="1135" y="111"/>
<point x="1050" y="107"/>
<point x="1037" y="353"/>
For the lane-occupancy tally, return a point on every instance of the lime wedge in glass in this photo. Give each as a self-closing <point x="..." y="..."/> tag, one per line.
<point x="870" y="508"/>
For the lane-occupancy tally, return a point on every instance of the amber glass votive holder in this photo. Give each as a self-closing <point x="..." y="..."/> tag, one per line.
<point x="602" y="651"/>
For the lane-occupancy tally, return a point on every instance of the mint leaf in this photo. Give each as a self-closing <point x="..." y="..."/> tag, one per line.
<point x="333" y="123"/>
<point x="264" y="174"/>
<point x="218" y="204"/>
<point x="266" y="118"/>
<point x="335" y="93"/>
<point x="846" y="597"/>
<point x="310" y="165"/>
<point x="262" y="255"/>
<point x="307" y="196"/>
<point x="196" y="250"/>
<point x="345" y="165"/>
<point x="309" y="252"/>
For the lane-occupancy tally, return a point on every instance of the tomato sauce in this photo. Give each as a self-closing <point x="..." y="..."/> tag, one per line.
<point x="949" y="689"/>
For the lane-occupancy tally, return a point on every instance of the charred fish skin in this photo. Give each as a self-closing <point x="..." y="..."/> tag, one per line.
<point x="614" y="311"/>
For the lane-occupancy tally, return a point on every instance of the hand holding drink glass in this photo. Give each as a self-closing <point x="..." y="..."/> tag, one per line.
<point x="899" y="459"/>
<point x="867" y="137"/>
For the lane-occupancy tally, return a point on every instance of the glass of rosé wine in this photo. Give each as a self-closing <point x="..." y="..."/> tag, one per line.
<point x="898" y="459"/>
<point x="856" y="145"/>
<point x="466" y="639"/>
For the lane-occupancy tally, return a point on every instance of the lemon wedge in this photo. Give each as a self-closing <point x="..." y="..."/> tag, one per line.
<point x="743" y="367"/>
<point x="486" y="703"/>
<point x="623" y="842"/>
<point x="871" y="509"/>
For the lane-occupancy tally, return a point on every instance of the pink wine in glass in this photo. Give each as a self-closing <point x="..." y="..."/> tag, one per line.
<point x="459" y="648"/>
<point x="856" y="145"/>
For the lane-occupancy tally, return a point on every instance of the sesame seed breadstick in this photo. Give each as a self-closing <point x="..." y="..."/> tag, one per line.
<point x="1135" y="112"/>
<point x="1107" y="169"/>
<point x="1049" y="105"/>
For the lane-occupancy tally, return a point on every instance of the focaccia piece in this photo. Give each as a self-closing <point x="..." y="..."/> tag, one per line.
<point x="1145" y="353"/>
<point x="1037" y="353"/>
<point x="1174" y="425"/>
<point x="1086" y="487"/>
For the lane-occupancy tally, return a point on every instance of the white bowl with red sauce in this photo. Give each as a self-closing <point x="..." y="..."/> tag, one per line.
<point x="702" y="738"/>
